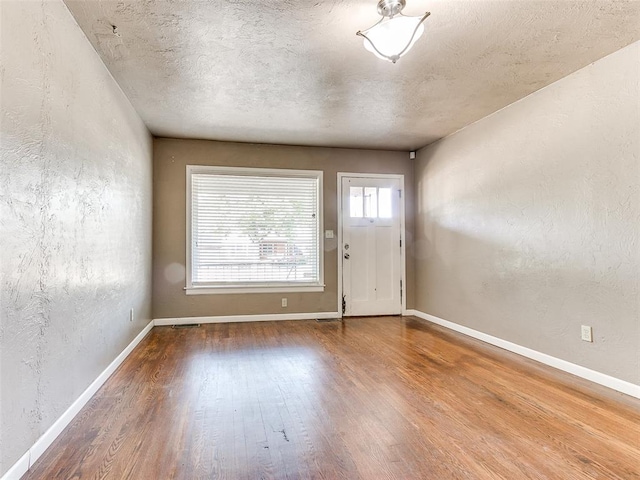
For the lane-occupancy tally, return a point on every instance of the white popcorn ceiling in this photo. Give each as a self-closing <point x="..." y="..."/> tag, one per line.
<point x="294" y="72"/>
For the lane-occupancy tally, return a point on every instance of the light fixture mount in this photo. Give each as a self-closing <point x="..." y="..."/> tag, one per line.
<point x="395" y="33"/>
<point x="390" y="8"/>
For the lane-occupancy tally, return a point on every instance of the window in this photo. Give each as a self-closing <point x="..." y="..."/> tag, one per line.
<point x="370" y="202"/>
<point x="253" y="230"/>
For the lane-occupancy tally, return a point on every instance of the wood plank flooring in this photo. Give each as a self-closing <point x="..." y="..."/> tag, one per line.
<point x="370" y="398"/>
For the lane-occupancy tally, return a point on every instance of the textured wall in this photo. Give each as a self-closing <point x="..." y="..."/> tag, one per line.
<point x="169" y="229"/>
<point x="528" y="222"/>
<point x="75" y="214"/>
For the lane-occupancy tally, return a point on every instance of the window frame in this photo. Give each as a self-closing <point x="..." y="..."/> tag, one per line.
<point x="272" y="287"/>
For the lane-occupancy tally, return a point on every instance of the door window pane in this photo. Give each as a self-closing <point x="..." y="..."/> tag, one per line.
<point x="370" y="202"/>
<point x="384" y="203"/>
<point x="355" y="202"/>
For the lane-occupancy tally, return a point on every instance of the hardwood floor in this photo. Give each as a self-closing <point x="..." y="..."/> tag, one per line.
<point x="370" y="398"/>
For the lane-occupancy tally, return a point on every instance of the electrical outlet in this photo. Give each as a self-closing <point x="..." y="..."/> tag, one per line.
<point x="131" y="315"/>
<point x="586" y="333"/>
<point x="284" y="302"/>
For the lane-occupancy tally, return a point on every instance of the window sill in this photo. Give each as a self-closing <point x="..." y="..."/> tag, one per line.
<point x="246" y="289"/>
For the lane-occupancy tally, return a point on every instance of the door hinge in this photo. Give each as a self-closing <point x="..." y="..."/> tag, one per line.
<point x="400" y="193"/>
<point x="401" y="243"/>
<point x="344" y="304"/>
<point x="400" y="291"/>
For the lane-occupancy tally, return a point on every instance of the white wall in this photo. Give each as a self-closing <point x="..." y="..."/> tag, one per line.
<point x="75" y="215"/>
<point x="528" y="221"/>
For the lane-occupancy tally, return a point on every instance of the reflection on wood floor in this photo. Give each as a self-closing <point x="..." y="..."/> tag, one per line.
<point x="367" y="398"/>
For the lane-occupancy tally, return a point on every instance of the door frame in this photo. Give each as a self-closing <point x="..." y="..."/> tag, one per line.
<point x="403" y="265"/>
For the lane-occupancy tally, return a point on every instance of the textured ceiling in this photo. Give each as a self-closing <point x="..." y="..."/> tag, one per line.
<point x="294" y="72"/>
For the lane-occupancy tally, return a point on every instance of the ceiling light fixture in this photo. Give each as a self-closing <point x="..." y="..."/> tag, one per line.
<point x="395" y="33"/>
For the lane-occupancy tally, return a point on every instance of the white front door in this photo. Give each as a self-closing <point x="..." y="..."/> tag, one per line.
<point x="371" y="246"/>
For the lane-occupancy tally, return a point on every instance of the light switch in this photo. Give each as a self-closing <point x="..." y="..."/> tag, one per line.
<point x="328" y="234"/>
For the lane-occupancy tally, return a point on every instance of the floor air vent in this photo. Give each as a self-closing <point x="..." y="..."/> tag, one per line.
<point x="186" y="325"/>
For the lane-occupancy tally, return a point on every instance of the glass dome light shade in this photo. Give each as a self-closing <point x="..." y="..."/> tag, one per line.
<point x="393" y="37"/>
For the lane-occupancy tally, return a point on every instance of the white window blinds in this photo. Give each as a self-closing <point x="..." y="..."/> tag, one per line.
<point x="255" y="228"/>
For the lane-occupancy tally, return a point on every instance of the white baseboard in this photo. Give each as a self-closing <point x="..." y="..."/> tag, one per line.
<point x="38" y="448"/>
<point x="163" y="322"/>
<point x="578" y="370"/>
<point x="18" y="469"/>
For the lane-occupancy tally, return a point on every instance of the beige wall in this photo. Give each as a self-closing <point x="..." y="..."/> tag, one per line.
<point x="75" y="214"/>
<point x="528" y="222"/>
<point x="171" y="156"/>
